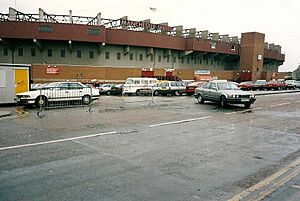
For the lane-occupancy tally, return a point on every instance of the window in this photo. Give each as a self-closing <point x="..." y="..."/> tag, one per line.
<point x="118" y="56"/>
<point x="49" y="52"/>
<point x="78" y="53"/>
<point x="91" y="54"/>
<point x="62" y="53"/>
<point x="206" y="86"/>
<point x="151" y="57"/>
<point x="218" y="63"/>
<point x="212" y="62"/>
<point x="232" y="48"/>
<point x="131" y="56"/>
<point x="106" y="55"/>
<point x="136" y="82"/>
<point x="200" y="61"/>
<point x="45" y="29"/>
<point x="141" y="57"/>
<point x="159" y="58"/>
<point x="168" y="59"/>
<point x="33" y="53"/>
<point x="182" y="60"/>
<point x="95" y="32"/>
<point x="213" y="86"/>
<point x="75" y="86"/>
<point x="20" y="52"/>
<point x="213" y="45"/>
<point x="188" y="60"/>
<point x="206" y="61"/>
<point x="195" y="61"/>
<point x="5" y="52"/>
<point x="174" y="59"/>
<point x="173" y="84"/>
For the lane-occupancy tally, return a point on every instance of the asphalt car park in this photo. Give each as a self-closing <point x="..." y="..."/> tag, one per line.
<point x="139" y="148"/>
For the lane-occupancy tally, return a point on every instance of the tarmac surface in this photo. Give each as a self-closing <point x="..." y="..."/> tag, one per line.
<point x="136" y="148"/>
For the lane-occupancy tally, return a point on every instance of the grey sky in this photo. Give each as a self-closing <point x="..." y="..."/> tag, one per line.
<point x="278" y="19"/>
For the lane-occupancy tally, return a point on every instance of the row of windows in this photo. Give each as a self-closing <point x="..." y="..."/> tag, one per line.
<point x="140" y="56"/>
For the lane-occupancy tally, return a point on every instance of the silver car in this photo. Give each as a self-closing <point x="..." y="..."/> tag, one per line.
<point x="224" y="93"/>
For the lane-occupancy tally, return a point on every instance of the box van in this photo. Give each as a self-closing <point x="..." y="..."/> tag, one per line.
<point x="133" y="85"/>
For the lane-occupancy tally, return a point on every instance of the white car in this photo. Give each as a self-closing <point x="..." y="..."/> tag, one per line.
<point x="106" y="88"/>
<point x="58" y="91"/>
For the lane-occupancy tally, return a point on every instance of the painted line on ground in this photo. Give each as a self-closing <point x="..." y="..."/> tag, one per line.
<point x="229" y="113"/>
<point x="280" y="104"/>
<point x="180" y="121"/>
<point x="244" y="111"/>
<point x="296" y="186"/>
<point x="298" y="101"/>
<point x="265" y="182"/>
<point x="57" y="141"/>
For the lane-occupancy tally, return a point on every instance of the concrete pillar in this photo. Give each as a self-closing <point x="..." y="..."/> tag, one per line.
<point x="71" y="16"/>
<point x="235" y="39"/>
<point x="164" y="24"/>
<point x="124" y="18"/>
<point x="225" y="38"/>
<point x="266" y="45"/>
<point x="204" y="34"/>
<point x="179" y="30"/>
<point x="12" y="14"/>
<point x="215" y="37"/>
<point x="271" y="46"/>
<point x="145" y="27"/>
<point x="192" y="32"/>
<point x="41" y="15"/>
<point x="98" y="17"/>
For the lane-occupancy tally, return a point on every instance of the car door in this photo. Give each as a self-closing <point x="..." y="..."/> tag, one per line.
<point x="76" y="91"/>
<point x="205" y="90"/>
<point x="213" y="92"/>
<point x="61" y="92"/>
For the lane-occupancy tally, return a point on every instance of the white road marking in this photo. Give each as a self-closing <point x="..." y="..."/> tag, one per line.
<point x="229" y="113"/>
<point x="296" y="186"/>
<point x="280" y="104"/>
<point x="180" y="121"/>
<point x="57" y="141"/>
<point x="298" y="101"/>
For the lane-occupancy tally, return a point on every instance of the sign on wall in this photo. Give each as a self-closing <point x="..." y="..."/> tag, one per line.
<point x="202" y="72"/>
<point x="52" y="70"/>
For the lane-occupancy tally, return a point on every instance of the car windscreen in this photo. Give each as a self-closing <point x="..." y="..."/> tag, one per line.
<point x="227" y="86"/>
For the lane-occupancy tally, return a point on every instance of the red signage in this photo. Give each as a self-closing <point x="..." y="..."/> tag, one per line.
<point x="52" y="70"/>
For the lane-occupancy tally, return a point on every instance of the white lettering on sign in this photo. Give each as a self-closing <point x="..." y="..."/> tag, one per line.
<point x="52" y="70"/>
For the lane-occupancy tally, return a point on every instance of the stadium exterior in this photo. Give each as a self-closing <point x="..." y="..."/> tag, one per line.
<point x="67" y="47"/>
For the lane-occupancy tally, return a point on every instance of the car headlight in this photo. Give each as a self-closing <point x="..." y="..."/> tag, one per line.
<point x="252" y="96"/>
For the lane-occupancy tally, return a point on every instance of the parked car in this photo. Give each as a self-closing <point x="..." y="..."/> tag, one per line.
<point x="175" y="88"/>
<point x="149" y="89"/>
<point x="278" y="85"/>
<point x="295" y="83"/>
<point x="224" y="93"/>
<point x="58" y="91"/>
<point x="117" y="90"/>
<point x="246" y="86"/>
<point x="259" y="85"/>
<point x="105" y="89"/>
<point x="190" y="89"/>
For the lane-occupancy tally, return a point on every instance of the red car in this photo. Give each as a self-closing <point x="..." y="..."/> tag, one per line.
<point x="246" y="86"/>
<point x="190" y="89"/>
<point x="277" y="85"/>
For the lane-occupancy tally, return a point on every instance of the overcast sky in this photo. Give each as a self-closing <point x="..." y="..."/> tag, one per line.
<point x="277" y="19"/>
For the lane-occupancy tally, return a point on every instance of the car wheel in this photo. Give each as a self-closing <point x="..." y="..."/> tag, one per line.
<point x="155" y="93"/>
<point x="247" y="105"/>
<point x="86" y="99"/>
<point x="138" y="93"/>
<point x="200" y="99"/>
<point x="108" y="93"/>
<point x="41" y="101"/>
<point x="223" y="101"/>
<point x="176" y="93"/>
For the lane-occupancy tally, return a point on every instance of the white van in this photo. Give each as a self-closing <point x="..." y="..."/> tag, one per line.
<point x="134" y="84"/>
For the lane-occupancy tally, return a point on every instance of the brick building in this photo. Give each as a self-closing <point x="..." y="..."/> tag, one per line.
<point x="60" y="47"/>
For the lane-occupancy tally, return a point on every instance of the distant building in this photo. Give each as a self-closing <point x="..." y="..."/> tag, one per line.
<point x="60" y="47"/>
<point x="296" y="73"/>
